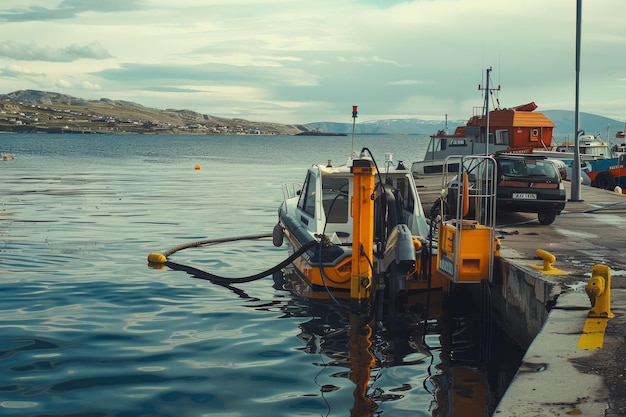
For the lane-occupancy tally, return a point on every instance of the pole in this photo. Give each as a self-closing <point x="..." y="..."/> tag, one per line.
<point x="575" y="180"/>
<point x="355" y="111"/>
<point x="487" y="113"/>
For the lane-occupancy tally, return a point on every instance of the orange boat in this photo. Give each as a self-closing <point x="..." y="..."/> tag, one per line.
<point x="519" y="128"/>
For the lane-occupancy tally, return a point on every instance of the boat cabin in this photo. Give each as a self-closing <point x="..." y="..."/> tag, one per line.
<point x="324" y="203"/>
<point x="517" y="128"/>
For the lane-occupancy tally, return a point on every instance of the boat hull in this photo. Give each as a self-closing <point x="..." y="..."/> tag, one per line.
<point x="329" y="269"/>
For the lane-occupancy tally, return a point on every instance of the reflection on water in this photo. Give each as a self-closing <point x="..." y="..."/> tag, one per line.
<point x="440" y="345"/>
<point x="87" y="329"/>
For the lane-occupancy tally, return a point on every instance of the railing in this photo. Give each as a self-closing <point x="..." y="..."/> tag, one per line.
<point x="291" y="190"/>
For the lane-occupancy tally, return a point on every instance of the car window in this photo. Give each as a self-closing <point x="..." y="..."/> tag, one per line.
<point x="528" y="168"/>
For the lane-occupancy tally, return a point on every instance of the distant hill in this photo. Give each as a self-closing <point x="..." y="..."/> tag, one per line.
<point x="386" y="127"/>
<point x="563" y="119"/>
<point x="41" y="111"/>
<point x="590" y="123"/>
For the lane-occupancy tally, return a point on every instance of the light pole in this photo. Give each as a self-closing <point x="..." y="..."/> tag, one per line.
<point x="575" y="180"/>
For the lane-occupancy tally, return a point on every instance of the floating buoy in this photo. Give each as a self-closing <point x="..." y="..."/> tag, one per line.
<point x="157" y="258"/>
<point x="197" y="167"/>
<point x="618" y="189"/>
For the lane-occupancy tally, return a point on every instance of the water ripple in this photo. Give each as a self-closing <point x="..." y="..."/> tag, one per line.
<point x="88" y="329"/>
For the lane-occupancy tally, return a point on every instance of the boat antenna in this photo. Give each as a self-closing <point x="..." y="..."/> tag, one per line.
<point x="487" y="90"/>
<point x="355" y="111"/>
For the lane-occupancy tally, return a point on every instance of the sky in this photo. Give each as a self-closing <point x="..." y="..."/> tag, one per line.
<point x="296" y="61"/>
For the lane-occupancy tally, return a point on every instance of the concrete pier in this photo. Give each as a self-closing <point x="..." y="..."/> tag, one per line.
<point x="547" y="312"/>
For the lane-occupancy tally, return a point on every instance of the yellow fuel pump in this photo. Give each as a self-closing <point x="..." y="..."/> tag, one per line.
<point x="362" y="230"/>
<point x="467" y="241"/>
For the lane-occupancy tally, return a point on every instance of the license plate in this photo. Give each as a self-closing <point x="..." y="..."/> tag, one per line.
<point x="524" y="196"/>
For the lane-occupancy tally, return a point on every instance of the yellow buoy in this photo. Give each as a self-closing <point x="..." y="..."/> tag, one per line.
<point x="157" y="258"/>
<point x="197" y="167"/>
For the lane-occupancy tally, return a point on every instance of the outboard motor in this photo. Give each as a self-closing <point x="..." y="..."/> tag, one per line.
<point x="387" y="211"/>
<point x="399" y="258"/>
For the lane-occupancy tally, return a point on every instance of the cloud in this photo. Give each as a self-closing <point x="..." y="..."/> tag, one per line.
<point x="406" y="82"/>
<point x="64" y="84"/>
<point x="87" y="85"/>
<point x="31" y="52"/>
<point x="397" y="57"/>
<point x="368" y="60"/>
<point x="69" y="9"/>
<point x="19" y="72"/>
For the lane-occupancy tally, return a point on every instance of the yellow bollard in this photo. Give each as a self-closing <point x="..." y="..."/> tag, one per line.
<point x="598" y="290"/>
<point x="548" y="259"/>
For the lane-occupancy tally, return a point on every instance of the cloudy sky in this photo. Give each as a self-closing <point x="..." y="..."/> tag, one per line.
<point x="296" y="61"/>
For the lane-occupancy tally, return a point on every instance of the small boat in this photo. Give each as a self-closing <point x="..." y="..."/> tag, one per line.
<point x="517" y="128"/>
<point x="319" y="132"/>
<point x="602" y="166"/>
<point x="356" y="205"/>
<point x="591" y="147"/>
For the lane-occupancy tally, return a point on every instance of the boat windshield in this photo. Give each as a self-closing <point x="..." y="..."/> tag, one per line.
<point x="306" y="202"/>
<point x="441" y="144"/>
<point x="335" y="199"/>
<point x="599" y="150"/>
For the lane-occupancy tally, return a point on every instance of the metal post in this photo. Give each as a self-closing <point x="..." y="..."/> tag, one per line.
<point x="575" y="180"/>
<point x="355" y="111"/>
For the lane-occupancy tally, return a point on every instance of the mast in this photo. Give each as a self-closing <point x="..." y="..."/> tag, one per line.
<point x="487" y="113"/>
<point x="355" y="111"/>
<point x="487" y="90"/>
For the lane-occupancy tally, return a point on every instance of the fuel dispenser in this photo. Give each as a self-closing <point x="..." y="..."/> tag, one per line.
<point x="466" y="237"/>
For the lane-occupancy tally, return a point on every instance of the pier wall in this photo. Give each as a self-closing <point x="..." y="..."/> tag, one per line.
<point x="521" y="300"/>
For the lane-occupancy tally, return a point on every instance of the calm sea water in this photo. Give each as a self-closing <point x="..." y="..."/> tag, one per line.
<point x="88" y="329"/>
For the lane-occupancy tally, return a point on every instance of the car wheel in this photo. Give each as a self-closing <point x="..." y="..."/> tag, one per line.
<point x="604" y="180"/>
<point x="546" y="217"/>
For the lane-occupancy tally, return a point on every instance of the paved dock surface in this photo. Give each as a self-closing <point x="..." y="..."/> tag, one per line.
<point x="557" y="377"/>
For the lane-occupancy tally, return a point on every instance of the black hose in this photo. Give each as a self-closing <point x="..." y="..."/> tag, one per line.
<point x="198" y="273"/>
<point x="210" y="241"/>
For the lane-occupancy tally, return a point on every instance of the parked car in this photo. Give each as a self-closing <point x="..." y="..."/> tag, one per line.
<point x="525" y="183"/>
